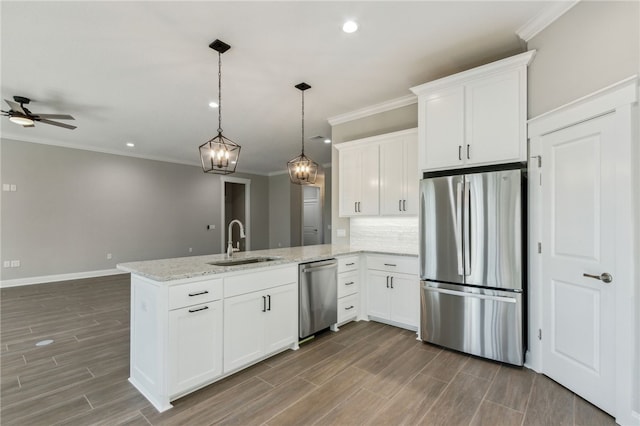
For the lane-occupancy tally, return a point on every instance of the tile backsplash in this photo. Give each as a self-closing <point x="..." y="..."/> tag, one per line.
<point x="393" y="233"/>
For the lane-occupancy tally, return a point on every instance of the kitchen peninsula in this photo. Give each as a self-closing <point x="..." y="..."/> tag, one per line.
<point x="196" y="320"/>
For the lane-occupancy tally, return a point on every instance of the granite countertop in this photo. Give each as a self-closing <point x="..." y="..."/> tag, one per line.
<point x="195" y="266"/>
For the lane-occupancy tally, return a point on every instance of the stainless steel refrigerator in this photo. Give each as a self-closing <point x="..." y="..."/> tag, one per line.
<point x="471" y="262"/>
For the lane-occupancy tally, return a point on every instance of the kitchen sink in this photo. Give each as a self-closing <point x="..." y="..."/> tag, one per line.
<point x="243" y="261"/>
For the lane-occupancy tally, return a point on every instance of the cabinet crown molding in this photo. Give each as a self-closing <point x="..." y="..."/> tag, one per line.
<point x="374" y="139"/>
<point x="516" y="61"/>
<point x="373" y="109"/>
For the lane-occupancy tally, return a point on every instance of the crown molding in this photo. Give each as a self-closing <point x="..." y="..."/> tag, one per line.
<point x="373" y="109"/>
<point x="375" y="139"/>
<point x="544" y="19"/>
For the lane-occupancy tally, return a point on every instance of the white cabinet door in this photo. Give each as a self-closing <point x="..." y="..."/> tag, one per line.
<point x="195" y="346"/>
<point x="281" y="319"/>
<point x="405" y="297"/>
<point x="442" y="128"/>
<point x="369" y="202"/>
<point x="379" y="294"/>
<point x="493" y="125"/>
<point x="392" y="176"/>
<point x="350" y="170"/>
<point x="244" y="318"/>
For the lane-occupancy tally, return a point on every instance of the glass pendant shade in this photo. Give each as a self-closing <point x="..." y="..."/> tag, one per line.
<point x="302" y="169"/>
<point x="219" y="155"/>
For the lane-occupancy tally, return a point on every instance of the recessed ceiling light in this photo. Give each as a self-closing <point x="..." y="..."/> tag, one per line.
<point x="327" y="141"/>
<point x="131" y="144"/>
<point x="350" y="27"/>
<point x="213" y="104"/>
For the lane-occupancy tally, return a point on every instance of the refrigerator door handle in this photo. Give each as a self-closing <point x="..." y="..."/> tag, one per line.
<point x="474" y="295"/>
<point x="459" y="229"/>
<point x="467" y="228"/>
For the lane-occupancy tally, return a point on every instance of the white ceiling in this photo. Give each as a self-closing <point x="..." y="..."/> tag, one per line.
<point x="142" y="72"/>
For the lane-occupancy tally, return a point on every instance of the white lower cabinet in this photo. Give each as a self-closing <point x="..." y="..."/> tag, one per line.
<point x="260" y="316"/>
<point x="348" y="288"/>
<point x="195" y="352"/>
<point x="393" y="289"/>
<point x="259" y="323"/>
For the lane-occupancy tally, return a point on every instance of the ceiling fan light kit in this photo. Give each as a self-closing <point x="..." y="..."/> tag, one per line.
<point x="302" y="169"/>
<point x="219" y="155"/>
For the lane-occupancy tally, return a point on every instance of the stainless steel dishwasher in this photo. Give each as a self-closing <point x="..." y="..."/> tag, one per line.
<point x="318" y="296"/>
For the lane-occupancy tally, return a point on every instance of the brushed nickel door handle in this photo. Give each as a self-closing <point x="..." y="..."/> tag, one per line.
<point x="605" y="277"/>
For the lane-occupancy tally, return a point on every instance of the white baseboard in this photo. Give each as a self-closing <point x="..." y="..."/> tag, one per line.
<point x="59" y="277"/>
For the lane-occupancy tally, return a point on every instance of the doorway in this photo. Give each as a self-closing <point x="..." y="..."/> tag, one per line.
<point x="312" y="216"/>
<point x="236" y="194"/>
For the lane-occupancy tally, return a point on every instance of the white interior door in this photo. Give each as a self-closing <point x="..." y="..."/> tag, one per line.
<point x="577" y="239"/>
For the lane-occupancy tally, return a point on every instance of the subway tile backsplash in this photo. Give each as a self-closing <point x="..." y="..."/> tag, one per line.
<point x="391" y="233"/>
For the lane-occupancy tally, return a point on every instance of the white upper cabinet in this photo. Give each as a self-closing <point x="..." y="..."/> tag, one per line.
<point x="379" y="175"/>
<point x="399" y="175"/>
<point x="474" y="118"/>
<point x="359" y="180"/>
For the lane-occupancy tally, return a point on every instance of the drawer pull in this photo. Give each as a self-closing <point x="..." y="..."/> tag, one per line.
<point x="390" y="264"/>
<point x="350" y="283"/>
<point x="264" y="303"/>
<point x="199" y="309"/>
<point x="198" y="294"/>
<point x="349" y="308"/>
<point x="350" y="264"/>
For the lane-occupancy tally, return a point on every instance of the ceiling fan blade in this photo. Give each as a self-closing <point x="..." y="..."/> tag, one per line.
<point x="16" y="107"/>
<point x="56" y="116"/>
<point x="55" y="123"/>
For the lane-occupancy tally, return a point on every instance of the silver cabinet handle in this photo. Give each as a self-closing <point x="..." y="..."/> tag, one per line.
<point x="460" y="152"/>
<point x="198" y="294"/>
<point x="387" y="281"/>
<point x="350" y="264"/>
<point x="348" y="308"/>
<point x="605" y="277"/>
<point x="399" y="205"/>
<point x="199" y="309"/>
<point x="391" y="282"/>
<point x="350" y="283"/>
<point x="468" y="156"/>
<point x="264" y="303"/>
<point x="355" y="206"/>
<point x="269" y="298"/>
<point x="390" y="264"/>
<point x="404" y="205"/>
<point x="359" y="209"/>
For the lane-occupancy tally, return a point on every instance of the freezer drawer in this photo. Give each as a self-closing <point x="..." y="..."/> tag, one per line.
<point x="482" y="322"/>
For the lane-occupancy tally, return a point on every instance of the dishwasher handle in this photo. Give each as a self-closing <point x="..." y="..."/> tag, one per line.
<point x="318" y="268"/>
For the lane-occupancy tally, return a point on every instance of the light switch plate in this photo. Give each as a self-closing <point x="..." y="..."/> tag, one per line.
<point x="14" y="188"/>
<point x="6" y="187"/>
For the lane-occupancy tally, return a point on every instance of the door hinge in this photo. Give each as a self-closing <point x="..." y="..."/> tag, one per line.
<point x="539" y="334"/>
<point x="539" y="158"/>
<point x="539" y="247"/>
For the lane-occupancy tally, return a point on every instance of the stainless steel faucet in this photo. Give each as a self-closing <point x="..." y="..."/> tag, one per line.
<point x="230" y="248"/>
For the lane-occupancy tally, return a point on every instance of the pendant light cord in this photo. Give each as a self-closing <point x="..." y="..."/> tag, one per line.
<point x="219" y="93"/>
<point x="302" y="122"/>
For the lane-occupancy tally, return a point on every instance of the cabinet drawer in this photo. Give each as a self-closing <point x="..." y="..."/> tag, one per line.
<point x="260" y="280"/>
<point x="351" y="263"/>
<point x="348" y="283"/>
<point x="400" y="264"/>
<point x="194" y="293"/>
<point x="348" y="307"/>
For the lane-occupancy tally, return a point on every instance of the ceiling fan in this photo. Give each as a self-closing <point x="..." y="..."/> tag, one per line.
<point x="19" y="114"/>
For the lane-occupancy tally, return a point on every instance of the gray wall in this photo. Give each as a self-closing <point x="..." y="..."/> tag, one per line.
<point x="73" y="207"/>
<point x="378" y="124"/>
<point x="285" y="209"/>
<point x="593" y="45"/>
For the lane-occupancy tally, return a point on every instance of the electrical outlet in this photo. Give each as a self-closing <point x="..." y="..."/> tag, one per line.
<point x="6" y="264"/>
<point x="190" y="249"/>
<point x="109" y="256"/>
<point x="15" y="263"/>
<point x="6" y="187"/>
<point x="14" y="188"/>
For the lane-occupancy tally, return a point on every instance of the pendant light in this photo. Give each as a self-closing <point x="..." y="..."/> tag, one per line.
<point x="302" y="169"/>
<point x="219" y="155"/>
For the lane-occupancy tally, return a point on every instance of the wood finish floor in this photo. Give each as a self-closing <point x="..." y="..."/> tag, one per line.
<point x="367" y="373"/>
